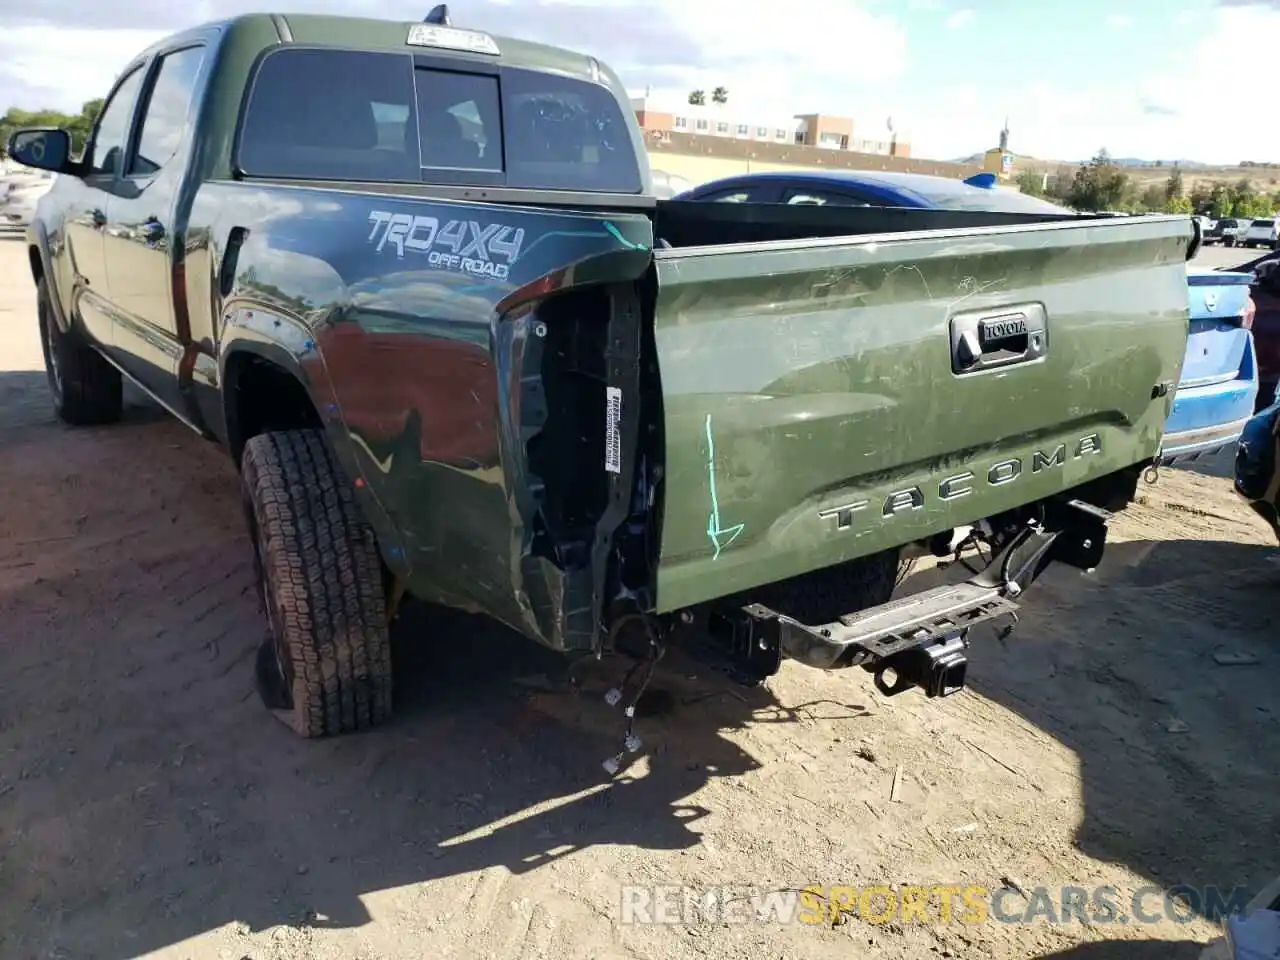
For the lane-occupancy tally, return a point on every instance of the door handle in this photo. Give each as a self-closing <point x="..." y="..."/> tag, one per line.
<point x="98" y="218"/>
<point x="982" y="339"/>
<point x="152" y="231"/>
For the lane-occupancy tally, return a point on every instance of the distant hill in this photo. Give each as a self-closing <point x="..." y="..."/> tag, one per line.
<point x="1118" y="161"/>
<point x="1184" y="164"/>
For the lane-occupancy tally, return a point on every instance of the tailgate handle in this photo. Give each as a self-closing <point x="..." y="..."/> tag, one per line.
<point x="982" y="339"/>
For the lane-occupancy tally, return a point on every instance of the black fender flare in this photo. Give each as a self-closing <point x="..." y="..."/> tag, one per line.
<point x="250" y="334"/>
<point x="283" y="342"/>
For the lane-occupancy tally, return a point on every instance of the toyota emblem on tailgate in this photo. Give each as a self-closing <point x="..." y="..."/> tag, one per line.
<point x="998" y="328"/>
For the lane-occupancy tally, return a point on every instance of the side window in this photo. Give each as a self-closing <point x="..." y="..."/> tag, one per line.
<point x="167" y="110"/>
<point x="825" y="198"/>
<point x="109" y="141"/>
<point x="732" y="196"/>
<point x="796" y="198"/>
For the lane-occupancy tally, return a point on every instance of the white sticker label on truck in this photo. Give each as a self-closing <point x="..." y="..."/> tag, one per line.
<point x="465" y="246"/>
<point x="612" y="433"/>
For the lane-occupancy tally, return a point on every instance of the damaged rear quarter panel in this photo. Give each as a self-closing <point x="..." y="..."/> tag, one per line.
<point x="800" y="382"/>
<point x="415" y="361"/>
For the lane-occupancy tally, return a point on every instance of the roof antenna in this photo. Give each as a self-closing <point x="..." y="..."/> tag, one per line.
<point x="439" y="15"/>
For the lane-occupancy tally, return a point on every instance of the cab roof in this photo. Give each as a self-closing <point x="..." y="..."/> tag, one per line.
<point x="391" y="36"/>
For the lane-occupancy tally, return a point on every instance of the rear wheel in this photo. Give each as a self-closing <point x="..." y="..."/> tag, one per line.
<point x="86" y="389"/>
<point x="320" y="582"/>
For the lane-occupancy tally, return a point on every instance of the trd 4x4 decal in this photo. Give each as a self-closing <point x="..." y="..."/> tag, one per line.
<point x="480" y="250"/>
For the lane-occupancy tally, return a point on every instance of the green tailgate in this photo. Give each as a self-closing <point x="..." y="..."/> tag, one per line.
<point x="812" y="409"/>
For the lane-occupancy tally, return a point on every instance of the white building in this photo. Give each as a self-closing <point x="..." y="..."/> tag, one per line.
<point x="736" y="122"/>
<point x="720" y="120"/>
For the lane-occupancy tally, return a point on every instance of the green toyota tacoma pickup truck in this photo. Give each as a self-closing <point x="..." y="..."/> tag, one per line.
<point x="415" y="280"/>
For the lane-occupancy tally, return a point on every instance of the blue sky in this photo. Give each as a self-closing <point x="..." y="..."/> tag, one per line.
<point x="1139" y="77"/>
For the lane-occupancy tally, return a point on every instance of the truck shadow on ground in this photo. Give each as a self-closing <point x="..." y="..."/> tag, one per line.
<point x="146" y="798"/>
<point x="25" y="404"/>
<point x="492" y="761"/>
<point x="1130" y="950"/>
<point x="1221" y="464"/>
<point x="1158" y="672"/>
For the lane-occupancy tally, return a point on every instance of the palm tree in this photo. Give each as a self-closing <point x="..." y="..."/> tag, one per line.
<point x="697" y="98"/>
<point x="719" y="95"/>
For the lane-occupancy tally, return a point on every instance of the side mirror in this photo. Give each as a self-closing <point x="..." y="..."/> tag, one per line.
<point x="43" y="149"/>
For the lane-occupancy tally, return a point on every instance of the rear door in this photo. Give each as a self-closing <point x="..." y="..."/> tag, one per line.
<point x="818" y="406"/>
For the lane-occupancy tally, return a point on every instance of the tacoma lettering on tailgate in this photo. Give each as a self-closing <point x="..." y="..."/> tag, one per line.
<point x="961" y="484"/>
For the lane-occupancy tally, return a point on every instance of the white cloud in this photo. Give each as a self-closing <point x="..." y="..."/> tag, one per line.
<point x="959" y="19"/>
<point x="787" y="64"/>
<point x="1191" y="111"/>
<point x="1119" y="21"/>
<point x="64" y="65"/>
<point x="851" y="58"/>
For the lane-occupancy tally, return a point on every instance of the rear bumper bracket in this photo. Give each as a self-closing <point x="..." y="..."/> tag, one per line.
<point x="935" y="622"/>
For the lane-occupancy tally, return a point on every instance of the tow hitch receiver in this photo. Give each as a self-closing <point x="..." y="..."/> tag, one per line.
<point x="920" y="640"/>
<point x="938" y="669"/>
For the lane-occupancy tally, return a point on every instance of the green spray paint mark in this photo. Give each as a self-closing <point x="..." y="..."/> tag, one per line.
<point x="714" y="531"/>
<point x="617" y="235"/>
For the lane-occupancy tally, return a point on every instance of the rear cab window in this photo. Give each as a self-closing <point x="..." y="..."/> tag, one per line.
<point x="329" y="114"/>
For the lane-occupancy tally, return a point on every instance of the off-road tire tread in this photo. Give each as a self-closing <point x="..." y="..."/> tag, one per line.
<point x="92" y="389"/>
<point x="324" y="574"/>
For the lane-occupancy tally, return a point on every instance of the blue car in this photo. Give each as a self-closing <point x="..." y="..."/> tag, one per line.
<point x="1219" y="384"/>
<point x="1218" y="389"/>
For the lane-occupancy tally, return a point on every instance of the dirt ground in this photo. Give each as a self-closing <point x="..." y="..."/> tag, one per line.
<point x="149" y="806"/>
